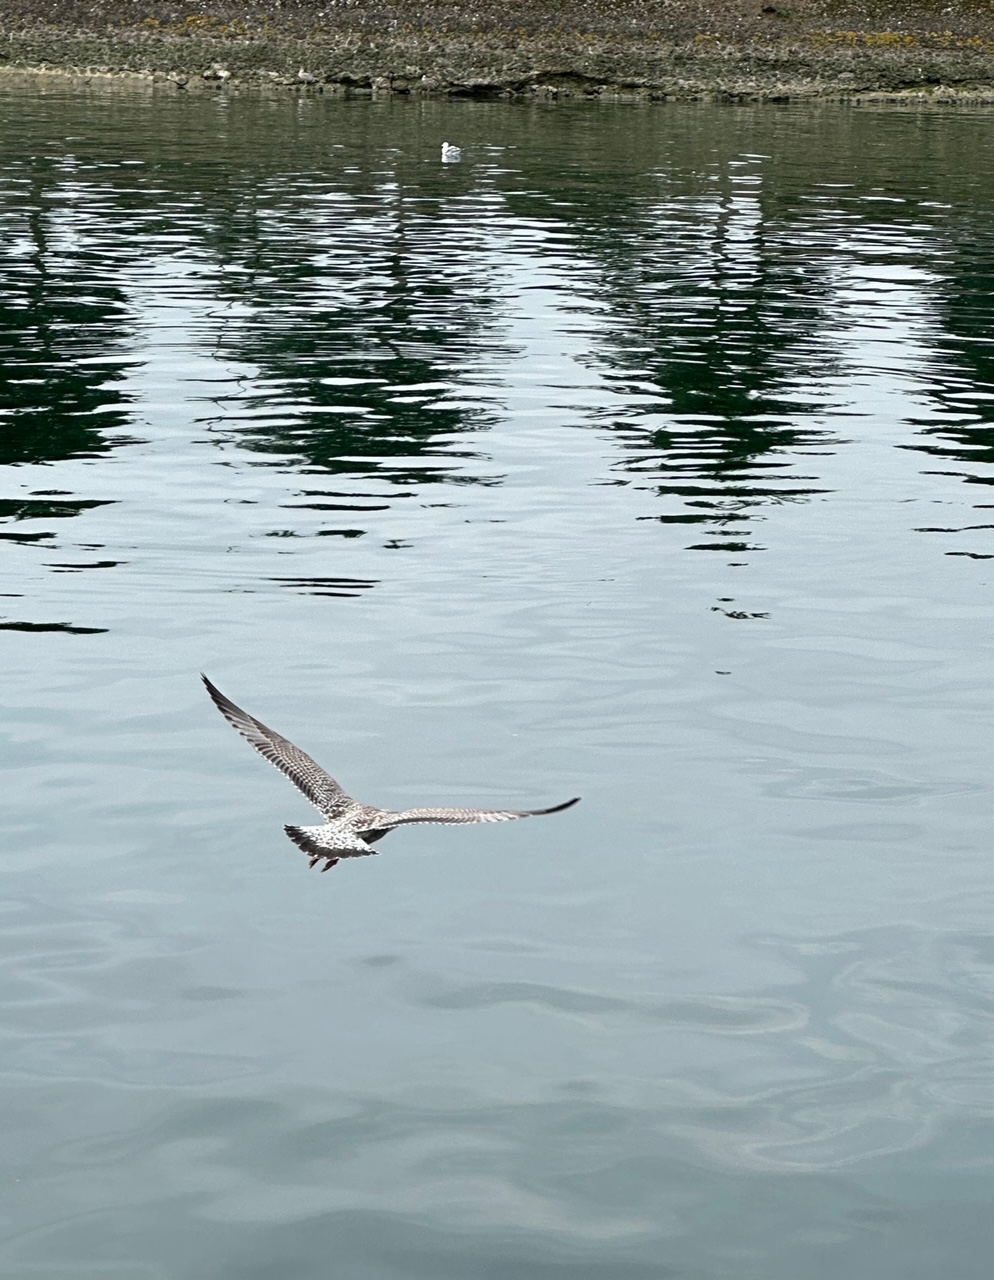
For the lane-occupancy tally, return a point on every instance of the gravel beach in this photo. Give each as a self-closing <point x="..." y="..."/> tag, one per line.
<point x="744" y="50"/>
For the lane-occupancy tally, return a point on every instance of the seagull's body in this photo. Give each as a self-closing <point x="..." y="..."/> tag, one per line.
<point x="350" y="827"/>
<point x="451" y="154"/>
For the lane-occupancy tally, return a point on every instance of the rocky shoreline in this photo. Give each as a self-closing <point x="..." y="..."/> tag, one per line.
<point x="743" y="50"/>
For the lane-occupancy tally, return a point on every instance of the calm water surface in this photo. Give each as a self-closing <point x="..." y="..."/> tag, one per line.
<point x="646" y="455"/>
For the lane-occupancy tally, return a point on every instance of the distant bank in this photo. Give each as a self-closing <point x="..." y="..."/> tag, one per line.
<point x="746" y="50"/>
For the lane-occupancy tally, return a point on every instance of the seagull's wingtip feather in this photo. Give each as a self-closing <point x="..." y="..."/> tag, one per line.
<point x="216" y="696"/>
<point x="558" y="808"/>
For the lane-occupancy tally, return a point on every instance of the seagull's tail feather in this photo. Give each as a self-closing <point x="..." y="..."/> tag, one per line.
<point x="301" y="838"/>
<point x="326" y="842"/>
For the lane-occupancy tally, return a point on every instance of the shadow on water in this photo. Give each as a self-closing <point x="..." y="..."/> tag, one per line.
<point x="369" y="329"/>
<point x="66" y="323"/>
<point x="67" y="332"/>
<point x="958" y="432"/>
<point x="712" y="320"/>
<point x="719" y="272"/>
<point x="359" y="291"/>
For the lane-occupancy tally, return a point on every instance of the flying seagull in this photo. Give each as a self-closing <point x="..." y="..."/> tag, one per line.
<point x="350" y="827"/>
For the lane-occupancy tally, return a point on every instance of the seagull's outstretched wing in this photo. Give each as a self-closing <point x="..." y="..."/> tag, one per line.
<point x="460" y="816"/>
<point x="319" y="787"/>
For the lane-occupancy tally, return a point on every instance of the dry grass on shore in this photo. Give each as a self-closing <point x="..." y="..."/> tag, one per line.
<point x="740" y="49"/>
<point x="675" y="21"/>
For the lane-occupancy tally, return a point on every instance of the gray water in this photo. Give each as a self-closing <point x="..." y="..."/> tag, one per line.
<point x="645" y="455"/>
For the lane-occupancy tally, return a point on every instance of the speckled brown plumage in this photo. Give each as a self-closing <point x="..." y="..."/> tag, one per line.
<point x="350" y="827"/>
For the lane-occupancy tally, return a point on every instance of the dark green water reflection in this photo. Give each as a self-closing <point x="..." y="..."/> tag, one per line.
<point x="418" y="463"/>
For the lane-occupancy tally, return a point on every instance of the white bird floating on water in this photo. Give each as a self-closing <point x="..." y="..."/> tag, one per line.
<point x="350" y="827"/>
<point x="451" y="154"/>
